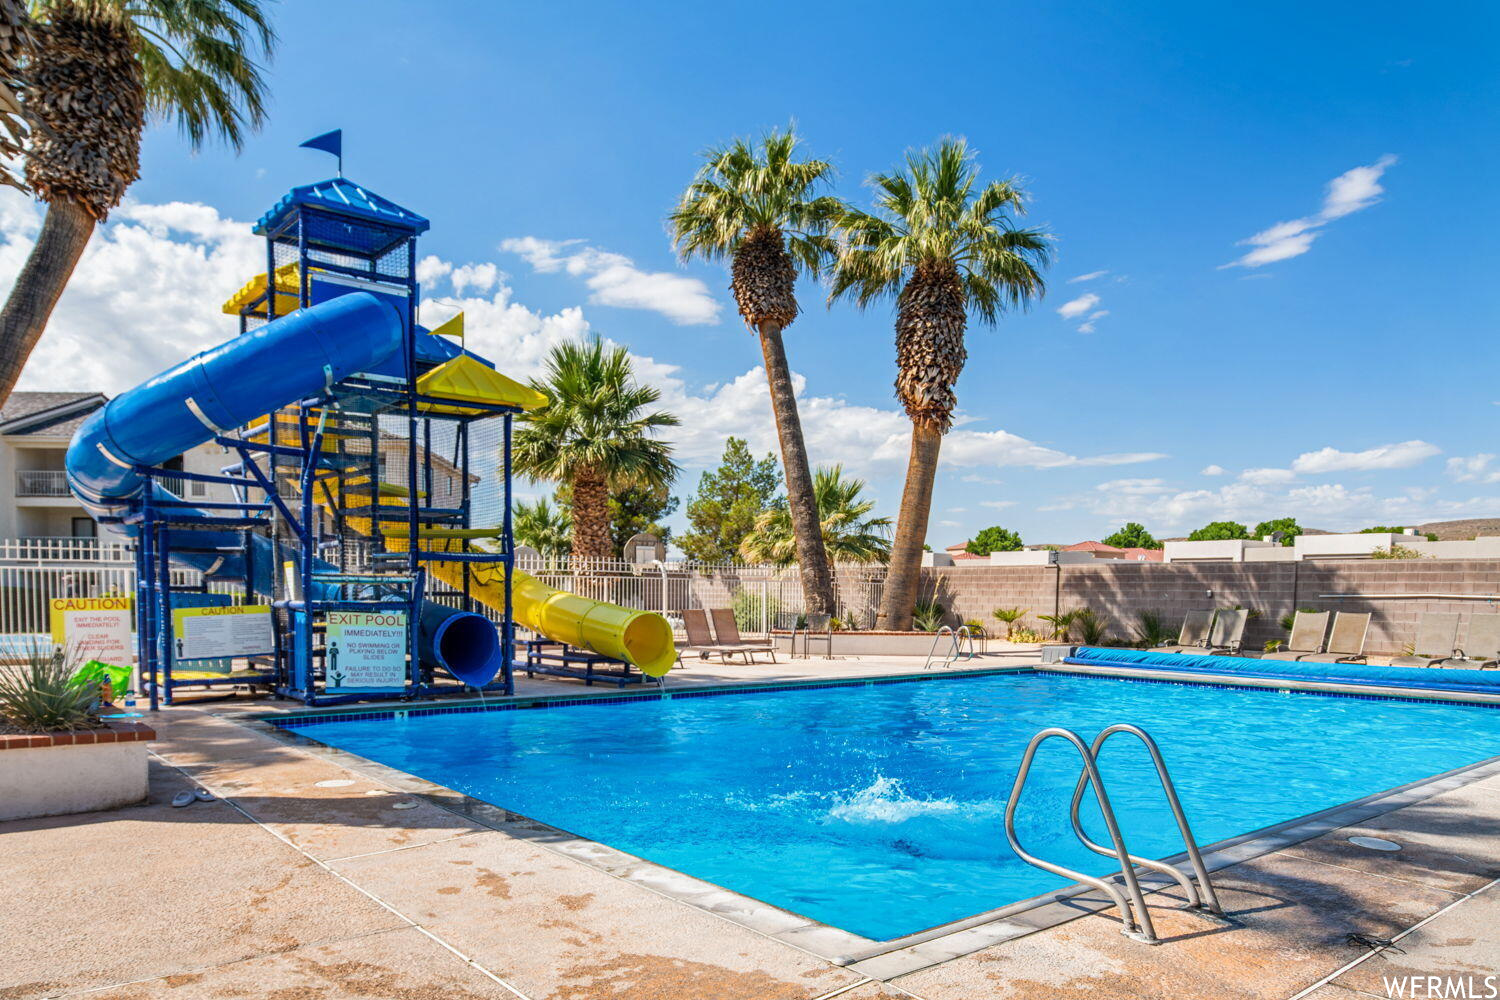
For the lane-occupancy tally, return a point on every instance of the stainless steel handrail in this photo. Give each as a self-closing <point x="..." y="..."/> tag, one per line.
<point x="937" y="638"/>
<point x="1201" y="896"/>
<point x="1138" y="921"/>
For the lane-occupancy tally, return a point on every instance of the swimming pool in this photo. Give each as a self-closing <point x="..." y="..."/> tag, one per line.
<point x="877" y="808"/>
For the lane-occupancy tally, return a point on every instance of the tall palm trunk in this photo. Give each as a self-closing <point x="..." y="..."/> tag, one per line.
<point x="807" y="533"/>
<point x="930" y="355"/>
<point x="87" y="88"/>
<point x="765" y="287"/>
<point x="904" y="574"/>
<point x="65" y="232"/>
<point x="591" y="535"/>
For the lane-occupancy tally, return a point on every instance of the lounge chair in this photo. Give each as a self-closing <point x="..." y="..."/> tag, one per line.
<point x="727" y="631"/>
<point x="1481" y="648"/>
<point x="1193" y="637"/>
<point x="1437" y="640"/>
<point x="1228" y="632"/>
<point x="1346" y="643"/>
<point x="1308" y="630"/>
<point x="701" y="639"/>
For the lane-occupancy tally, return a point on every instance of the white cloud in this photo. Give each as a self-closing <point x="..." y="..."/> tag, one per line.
<point x="614" y="280"/>
<point x="1134" y="487"/>
<point x="479" y="277"/>
<point x="154" y="278"/>
<point x="1087" y="277"/>
<point x="1474" y="469"/>
<point x="1387" y="456"/>
<point x="997" y="504"/>
<point x="1349" y="192"/>
<point x="948" y="524"/>
<point x="1088" y="327"/>
<point x="1213" y="470"/>
<point x="1267" y="477"/>
<point x="1077" y="307"/>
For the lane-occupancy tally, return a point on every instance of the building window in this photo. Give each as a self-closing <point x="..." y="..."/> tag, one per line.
<point x="84" y="527"/>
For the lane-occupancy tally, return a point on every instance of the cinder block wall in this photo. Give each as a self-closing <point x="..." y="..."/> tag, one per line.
<point x="1121" y="590"/>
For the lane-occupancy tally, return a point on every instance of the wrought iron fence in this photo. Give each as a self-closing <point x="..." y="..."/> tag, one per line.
<point x="33" y="571"/>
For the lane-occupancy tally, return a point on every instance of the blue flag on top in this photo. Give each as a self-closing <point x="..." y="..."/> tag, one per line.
<point x="328" y="142"/>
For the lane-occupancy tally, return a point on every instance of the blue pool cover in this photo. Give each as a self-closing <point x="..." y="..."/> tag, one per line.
<point x="1437" y="679"/>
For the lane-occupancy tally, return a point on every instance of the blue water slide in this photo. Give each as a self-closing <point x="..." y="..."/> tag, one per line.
<point x="238" y="382"/>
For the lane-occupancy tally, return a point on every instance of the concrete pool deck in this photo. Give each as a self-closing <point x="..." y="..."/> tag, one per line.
<point x="313" y="879"/>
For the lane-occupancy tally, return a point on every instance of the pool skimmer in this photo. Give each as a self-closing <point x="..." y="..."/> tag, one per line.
<point x="1375" y="844"/>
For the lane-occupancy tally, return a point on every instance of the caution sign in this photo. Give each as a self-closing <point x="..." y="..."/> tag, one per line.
<point x="365" y="650"/>
<point x="222" y="632"/>
<point x="97" y="627"/>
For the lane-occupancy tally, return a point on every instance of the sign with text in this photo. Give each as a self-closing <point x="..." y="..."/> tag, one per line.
<point x="223" y="632"/>
<point x="98" y="627"/>
<point x="365" y="650"/>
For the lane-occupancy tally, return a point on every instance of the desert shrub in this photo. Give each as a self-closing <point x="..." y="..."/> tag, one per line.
<point x="1152" y="629"/>
<point x="928" y="616"/>
<point x="42" y="694"/>
<point x="1093" y="628"/>
<point x="1397" y="552"/>
<point x="1062" y="623"/>
<point x="748" y="606"/>
<point x="1009" y="616"/>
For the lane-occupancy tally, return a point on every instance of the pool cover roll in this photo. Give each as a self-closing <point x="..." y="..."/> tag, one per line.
<point x="1433" y="678"/>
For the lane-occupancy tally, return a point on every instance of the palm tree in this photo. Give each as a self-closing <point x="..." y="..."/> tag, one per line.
<point x="943" y="248"/>
<point x="754" y="204"/>
<point x="17" y="42"/>
<point x="849" y="533"/>
<point x="99" y="69"/>
<point x="595" y="435"/>
<point x="545" y="528"/>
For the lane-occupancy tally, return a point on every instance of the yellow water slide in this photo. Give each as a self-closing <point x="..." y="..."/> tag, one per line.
<point x="642" y="638"/>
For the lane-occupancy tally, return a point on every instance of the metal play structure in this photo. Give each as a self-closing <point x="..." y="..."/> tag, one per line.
<point x="348" y="430"/>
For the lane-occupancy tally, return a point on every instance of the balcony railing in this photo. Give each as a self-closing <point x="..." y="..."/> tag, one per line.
<point x="41" y="483"/>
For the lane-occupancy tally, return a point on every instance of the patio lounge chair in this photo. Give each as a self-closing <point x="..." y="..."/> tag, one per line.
<point x="1481" y="648"/>
<point x="1228" y="632"/>
<point x="1308" y="630"/>
<point x="1194" y="634"/>
<point x="1437" y="640"/>
<point x="701" y="639"/>
<point x="727" y="630"/>
<point x="1346" y="643"/>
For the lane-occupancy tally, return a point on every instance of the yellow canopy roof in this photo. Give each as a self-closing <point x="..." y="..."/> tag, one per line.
<point x="464" y="380"/>
<point x="288" y="293"/>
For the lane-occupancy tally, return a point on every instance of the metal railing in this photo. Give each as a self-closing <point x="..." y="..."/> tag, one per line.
<point x="35" y="570"/>
<point x="961" y="638"/>
<point x="1134" y="915"/>
<point x="41" y="483"/>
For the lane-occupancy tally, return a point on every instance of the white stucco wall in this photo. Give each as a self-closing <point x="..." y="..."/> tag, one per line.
<point x="56" y="781"/>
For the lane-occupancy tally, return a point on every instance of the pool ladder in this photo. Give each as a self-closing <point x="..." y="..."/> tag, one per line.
<point x="1137" y="919"/>
<point x="958" y="639"/>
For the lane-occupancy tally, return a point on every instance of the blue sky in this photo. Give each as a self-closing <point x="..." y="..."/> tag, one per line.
<point x="1353" y="376"/>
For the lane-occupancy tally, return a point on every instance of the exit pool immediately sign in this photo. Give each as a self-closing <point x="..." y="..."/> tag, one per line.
<point x="98" y="628"/>
<point x="364" y="651"/>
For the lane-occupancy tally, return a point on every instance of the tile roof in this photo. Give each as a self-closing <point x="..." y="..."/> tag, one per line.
<point x="53" y="414"/>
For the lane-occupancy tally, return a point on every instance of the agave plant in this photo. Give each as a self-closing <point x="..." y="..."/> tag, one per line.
<point x="1009" y="616"/>
<point x="1152" y="629"/>
<point x="1062" y="623"/>
<point x="927" y="616"/>
<point x="1093" y="627"/>
<point x="43" y="695"/>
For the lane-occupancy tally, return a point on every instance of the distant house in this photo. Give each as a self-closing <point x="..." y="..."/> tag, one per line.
<point x="960" y="552"/>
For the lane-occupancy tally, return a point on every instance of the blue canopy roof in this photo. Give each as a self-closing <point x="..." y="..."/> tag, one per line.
<point x="341" y="195"/>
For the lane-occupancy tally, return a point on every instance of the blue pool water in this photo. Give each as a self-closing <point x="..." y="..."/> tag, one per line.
<point x="878" y="808"/>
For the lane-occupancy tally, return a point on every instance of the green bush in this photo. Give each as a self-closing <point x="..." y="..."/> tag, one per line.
<point x="928" y="616"/>
<point x="1153" y="629"/>
<point x="44" y="696"/>
<point x="747" y="608"/>
<point x="1009" y="616"/>
<point x="1062" y="623"/>
<point x="1093" y="628"/>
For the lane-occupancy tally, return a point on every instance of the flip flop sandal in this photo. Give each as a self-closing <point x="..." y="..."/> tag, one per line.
<point x="183" y="799"/>
<point x="203" y="795"/>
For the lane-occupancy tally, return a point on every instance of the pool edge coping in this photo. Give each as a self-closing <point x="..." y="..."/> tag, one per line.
<point x="882" y="960"/>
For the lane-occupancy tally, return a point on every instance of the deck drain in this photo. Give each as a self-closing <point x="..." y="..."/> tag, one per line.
<point x="405" y="805"/>
<point x="1375" y="843"/>
<point x="335" y="783"/>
